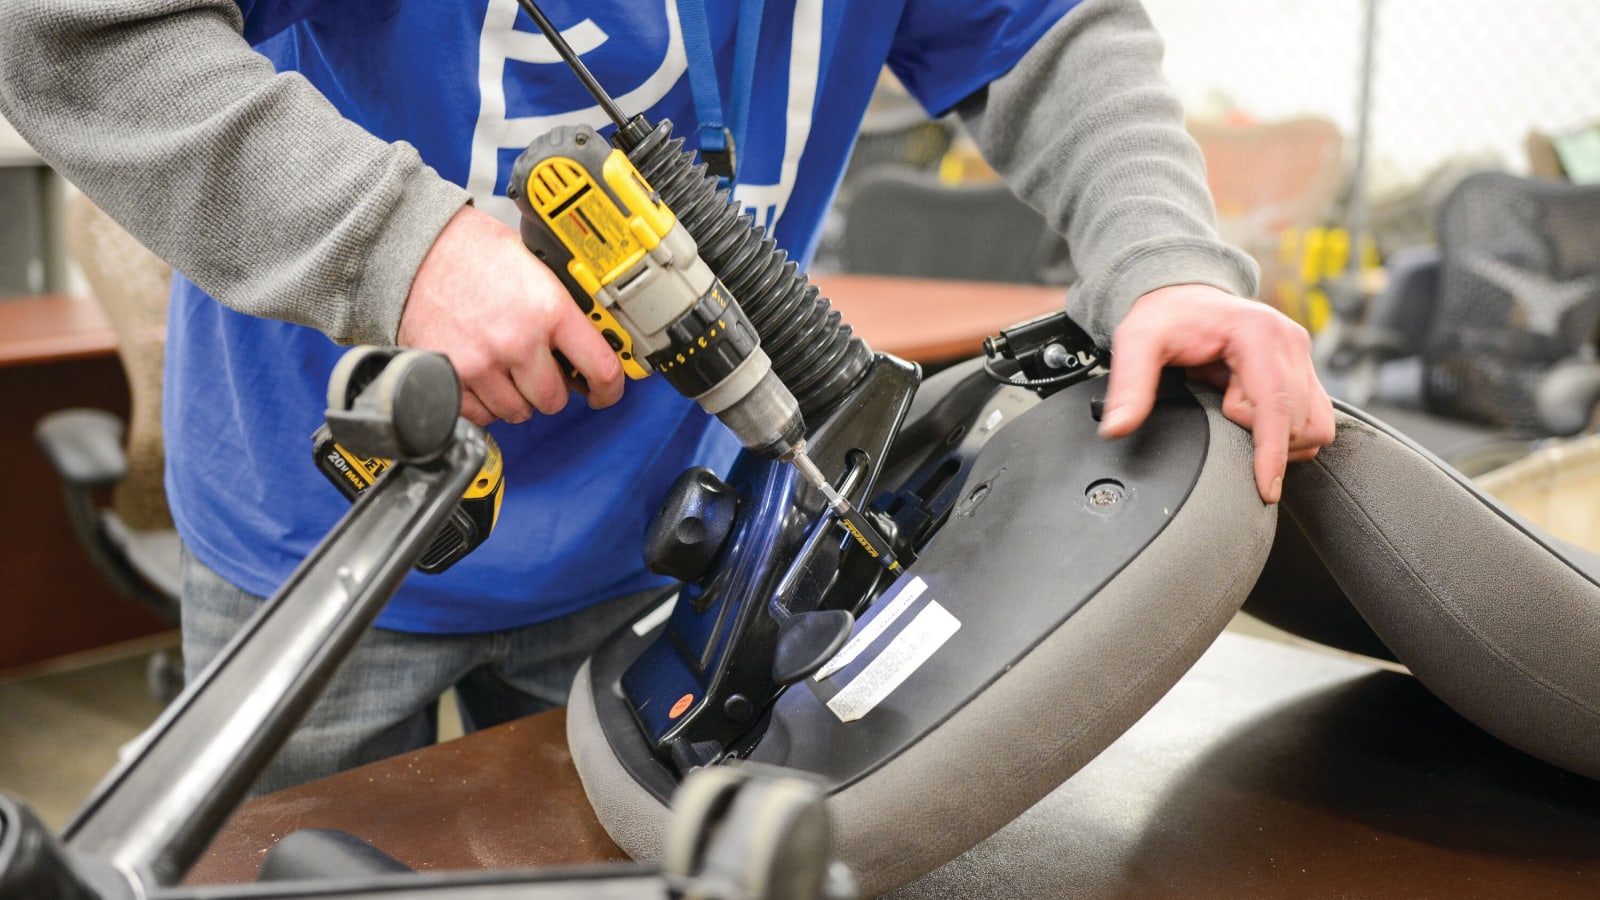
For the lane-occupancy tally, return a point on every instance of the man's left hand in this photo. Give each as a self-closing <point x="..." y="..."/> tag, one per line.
<point x="1258" y="357"/>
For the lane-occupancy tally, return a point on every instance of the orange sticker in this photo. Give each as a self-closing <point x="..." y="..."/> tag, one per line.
<point x="681" y="707"/>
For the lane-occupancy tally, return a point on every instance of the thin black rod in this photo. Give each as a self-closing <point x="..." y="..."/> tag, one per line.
<point x="578" y="68"/>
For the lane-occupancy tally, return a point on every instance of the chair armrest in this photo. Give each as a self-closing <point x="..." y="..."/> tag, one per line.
<point x="84" y="446"/>
<point x="1567" y="396"/>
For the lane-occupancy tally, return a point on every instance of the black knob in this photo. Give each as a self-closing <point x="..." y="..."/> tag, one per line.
<point x="687" y="534"/>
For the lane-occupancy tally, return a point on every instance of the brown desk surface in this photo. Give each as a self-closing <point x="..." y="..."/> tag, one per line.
<point x="1267" y="771"/>
<point x="913" y="318"/>
<point x="51" y="328"/>
<point x="933" y="321"/>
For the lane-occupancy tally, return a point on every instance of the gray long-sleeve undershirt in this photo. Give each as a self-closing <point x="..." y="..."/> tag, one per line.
<point x="1087" y="130"/>
<point x="247" y="181"/>
<point x="251" y="183"/>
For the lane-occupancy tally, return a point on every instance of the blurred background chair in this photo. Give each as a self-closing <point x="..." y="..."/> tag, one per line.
<point x="1274" y="184"/>
<point x="918" y="201"/>
<point x="111" y="471"/>
<point x="910" y="223"/>
<point x="1484" y="346"/>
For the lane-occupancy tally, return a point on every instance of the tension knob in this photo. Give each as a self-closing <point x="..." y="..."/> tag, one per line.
<point x="694" y="522"/>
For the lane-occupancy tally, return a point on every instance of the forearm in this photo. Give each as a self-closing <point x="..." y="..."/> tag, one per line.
<point x="247" y="181"/>
<point x="1087" y="130"/>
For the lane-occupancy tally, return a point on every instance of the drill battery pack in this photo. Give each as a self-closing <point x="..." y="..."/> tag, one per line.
<point x="470" y="523"/>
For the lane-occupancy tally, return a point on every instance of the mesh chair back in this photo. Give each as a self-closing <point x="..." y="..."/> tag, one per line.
<point x="1519" y="290"/>
<point x="908" y="223"/>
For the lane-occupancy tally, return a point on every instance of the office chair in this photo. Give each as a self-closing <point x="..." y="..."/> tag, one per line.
<point x="909" y="223"/>
<point x="131" y="539"/>
<point x="1482" y="347"/>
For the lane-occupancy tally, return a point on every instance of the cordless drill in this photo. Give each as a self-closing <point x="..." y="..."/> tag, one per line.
<point x="637" y="274"/>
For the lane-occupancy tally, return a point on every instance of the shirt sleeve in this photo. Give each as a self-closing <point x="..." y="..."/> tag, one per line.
<point x="944" y="50"/>
<point x="1087" y="130"/>
<point x="248" y="181"/>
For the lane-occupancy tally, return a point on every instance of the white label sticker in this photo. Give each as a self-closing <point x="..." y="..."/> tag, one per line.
<point x="874" y="629"/>
<point x="654" y="617"/>
<point x="904" y="655"/>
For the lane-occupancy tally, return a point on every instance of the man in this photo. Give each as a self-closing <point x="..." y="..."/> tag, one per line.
<point x="332" y="207"/>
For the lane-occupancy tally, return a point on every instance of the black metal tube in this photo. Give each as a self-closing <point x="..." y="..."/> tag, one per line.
<point x="617" y="881"/>
<point x="590" y="83"/>
<point x="812" y="350"/>
<point x="154" y="814"/>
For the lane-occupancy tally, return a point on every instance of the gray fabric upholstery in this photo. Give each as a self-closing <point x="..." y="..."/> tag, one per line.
<point x="1496" y="618"/>
<point x="1075" y="692"/>
<point x="1296" y="593"/>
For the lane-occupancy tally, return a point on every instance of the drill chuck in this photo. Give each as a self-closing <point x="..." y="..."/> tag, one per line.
<point x="766" y="419"/>
<point x="638" y="275"/>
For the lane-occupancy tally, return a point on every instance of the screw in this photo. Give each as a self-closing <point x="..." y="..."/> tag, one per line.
<point x="1105" y="493"/>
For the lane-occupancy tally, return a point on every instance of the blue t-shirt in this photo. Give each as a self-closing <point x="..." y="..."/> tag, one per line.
<point x="470" y="83"/>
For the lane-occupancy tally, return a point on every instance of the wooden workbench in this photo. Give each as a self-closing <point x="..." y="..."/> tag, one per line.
<point x="55" y="352"/>
<point x="58" y="351"/>
<point x="931" y="321"/>
<point x="50" y="328"/>
<point x="1268" y="771"/>
<point x="916" y="319"/>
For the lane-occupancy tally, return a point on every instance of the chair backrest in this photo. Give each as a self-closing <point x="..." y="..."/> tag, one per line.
<point x="1268" y="178"/>
<point x="131" y="284"/>
<point x="909" y="223"/>
<point x="1519" y="290"/>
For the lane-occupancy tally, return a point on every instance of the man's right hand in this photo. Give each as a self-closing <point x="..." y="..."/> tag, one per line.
<point x="483" y="300"/>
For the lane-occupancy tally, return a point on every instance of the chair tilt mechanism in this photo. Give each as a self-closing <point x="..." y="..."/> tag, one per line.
<point x="1057" y="585"/>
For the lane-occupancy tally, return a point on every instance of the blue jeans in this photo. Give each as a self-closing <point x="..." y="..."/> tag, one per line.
<point x="384" y="699"/>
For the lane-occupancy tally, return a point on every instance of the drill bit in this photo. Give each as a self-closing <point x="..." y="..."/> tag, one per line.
<point x="845" y="512"/>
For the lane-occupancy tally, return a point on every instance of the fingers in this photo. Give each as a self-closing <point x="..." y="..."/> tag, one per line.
<point x="1270" y="424"/>
<point x="1266" y="395"/>
<point x="501" y="316"/>
<point x="473" y="409"/>
<point x="485" y="379"/>
<point x="596" y="363"/>
<point x="526" y="376"/>
<point x="539" y="379"/>
<point x="1137" y="360"/>
<point x="1259" y="357"/>
<point x="1319" y="428"/>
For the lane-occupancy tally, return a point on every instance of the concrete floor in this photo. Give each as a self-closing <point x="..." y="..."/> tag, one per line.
<point x="62" y="725"/>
